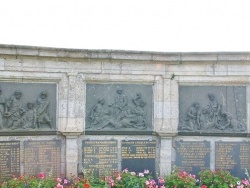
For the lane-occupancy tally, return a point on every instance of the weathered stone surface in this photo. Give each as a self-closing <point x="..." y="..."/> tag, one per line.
<point x="2" y="63"/>
<point x="70" y="70"/>
<point x="191" y="69"/>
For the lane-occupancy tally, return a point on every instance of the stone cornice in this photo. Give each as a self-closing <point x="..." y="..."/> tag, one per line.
<point x="168" y="57"/>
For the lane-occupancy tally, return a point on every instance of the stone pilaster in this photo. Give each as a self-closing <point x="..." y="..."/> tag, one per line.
<point x="166" y="127"/>
<point x="158" y="103"/>
<point x="76" y="103"/>
<point x="71" y="153"/>
<point x="165" y="165"/>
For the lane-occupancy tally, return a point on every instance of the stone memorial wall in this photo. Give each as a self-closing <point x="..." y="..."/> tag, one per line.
<point x="68" y="111"/>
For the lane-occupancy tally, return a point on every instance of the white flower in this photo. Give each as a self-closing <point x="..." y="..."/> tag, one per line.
<point x="141" y="174"/>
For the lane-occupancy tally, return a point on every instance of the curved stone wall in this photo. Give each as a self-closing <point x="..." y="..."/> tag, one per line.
<point x="90" y="110"/>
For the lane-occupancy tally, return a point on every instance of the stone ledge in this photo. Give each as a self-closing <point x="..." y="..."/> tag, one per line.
<point x="119" y="132"/>
<point x="168" y="57"/>
<point x="28" y="133"/>
<point x="165" y="134"/>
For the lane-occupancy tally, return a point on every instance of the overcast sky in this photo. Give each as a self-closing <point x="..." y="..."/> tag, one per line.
<point x="142" y="25"/>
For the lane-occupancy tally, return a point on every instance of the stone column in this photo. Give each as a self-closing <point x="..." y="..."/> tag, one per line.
<point x="71" y="153"/>
<point x="174" y="103"/>
<point x="165" y="153"/>
<point x="169" y="124"/>
<point x="166" y="127"/>
<point x="75" y="103"/>
<point x="75" y="121"/>
<point x="158" y="103"/>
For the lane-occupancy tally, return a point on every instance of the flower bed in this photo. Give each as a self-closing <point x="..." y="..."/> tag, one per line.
<point x="126" y="179"/>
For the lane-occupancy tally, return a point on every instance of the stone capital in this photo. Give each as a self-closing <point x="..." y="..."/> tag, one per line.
<point x="167" y="134"/>
<point x="71" y="134"/>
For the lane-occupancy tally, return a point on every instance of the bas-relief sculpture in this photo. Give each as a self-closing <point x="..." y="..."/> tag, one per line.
<point x="222" y="111"/>
<point x="119" y="109"/>
<point x="31" y="113"/>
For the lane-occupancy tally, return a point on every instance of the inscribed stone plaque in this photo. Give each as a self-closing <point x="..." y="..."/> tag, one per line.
<point x="114" y="107"/>
<point x="192" y="156"/>
<point x="212" y="109"/>
<point x="27" y="107"/>
<point x="99" y="157"/>
<point x="42" y="156"/>
<point x="233" y="157"/>
<point x="138" y="155"/>
<point x="9" y="159"/>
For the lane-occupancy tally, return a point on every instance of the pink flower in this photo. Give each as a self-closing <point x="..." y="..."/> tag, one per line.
<point x="152" y="182"/>
<point x="203" y="186"/>
<point x="162" y="186"/>
<point x="65" y="181"/>
<point x="147" y="182"/>
<point x="141" y="174"/>
<point x="59" y="186"/>
<point x="125" y="170"/>
<point x="245" y="182"/>
<point x="146" y="171"/>
<point x="41" y="175"/>
<point x="161" y="180"/>
<point x="132" y="173"/>
<point x="58" y="180"/>
<point x="192" y="176"/>
<point x="118" y="177"/>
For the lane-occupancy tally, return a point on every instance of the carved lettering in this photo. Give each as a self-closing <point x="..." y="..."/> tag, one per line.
<point x="100" y="157"/>
<point x="138" y="155"/>
<point x="9" y="159"/>
<point x="42" y="156"/>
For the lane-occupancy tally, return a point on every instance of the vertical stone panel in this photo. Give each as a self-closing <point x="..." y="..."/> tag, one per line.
<point x="158" y="103"/>
<point x="75" y="103"/>
<point x="62" y="103"/>
<point x="71" y="155"/>
<point x="174" y="112"/>
<point x="167" y="106"/>
<point x="165" y="155"/>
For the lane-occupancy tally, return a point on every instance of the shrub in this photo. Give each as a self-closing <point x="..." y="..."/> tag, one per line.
<point x="126" y="179"/>
<point x="217" y="179"/>
<point x="180" y="179"/>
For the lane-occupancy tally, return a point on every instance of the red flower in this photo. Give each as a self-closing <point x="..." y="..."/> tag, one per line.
<point x="41" y="175"/>
<point x="86" y="185"/>
<point x="203" y="186"/>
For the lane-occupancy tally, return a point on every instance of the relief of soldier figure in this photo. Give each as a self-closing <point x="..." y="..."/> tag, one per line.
<point x="211" y="118"/>
<point x="33" y="115"/>
<point x="121" y="114"/>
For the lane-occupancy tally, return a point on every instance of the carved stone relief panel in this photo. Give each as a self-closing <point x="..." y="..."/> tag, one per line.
<point x="114" y="107"/>
<point x="27" y="107"/>
<point x="212" y="109"/>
